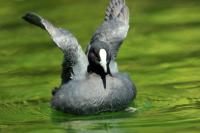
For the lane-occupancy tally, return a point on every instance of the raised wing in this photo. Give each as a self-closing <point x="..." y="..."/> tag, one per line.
<point x="75" y="61"/>
<point x="115" y="26"/>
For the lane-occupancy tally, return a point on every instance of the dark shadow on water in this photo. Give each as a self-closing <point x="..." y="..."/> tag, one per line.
<point x="95" y="122"/>
<point x="101" y="122"/>
<point x="58" y="116"/>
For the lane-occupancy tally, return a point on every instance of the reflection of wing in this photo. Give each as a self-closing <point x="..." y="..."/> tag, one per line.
<point x="115" y="26"/>
<point x="75" y="61"/>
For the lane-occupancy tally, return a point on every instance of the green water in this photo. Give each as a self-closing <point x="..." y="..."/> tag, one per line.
<point x="161" y="53"/>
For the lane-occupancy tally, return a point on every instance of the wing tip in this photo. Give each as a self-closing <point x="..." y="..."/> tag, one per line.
<point x="33" y="18"/>
<point x="117" y="9"/>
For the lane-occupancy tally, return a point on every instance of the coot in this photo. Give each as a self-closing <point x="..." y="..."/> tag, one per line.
<point x="91" y="82"/>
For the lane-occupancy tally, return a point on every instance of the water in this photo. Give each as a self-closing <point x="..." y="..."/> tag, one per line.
<point x="161" y="53"/>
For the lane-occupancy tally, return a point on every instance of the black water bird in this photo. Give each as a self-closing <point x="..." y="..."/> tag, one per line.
<point x="82" y="90"/>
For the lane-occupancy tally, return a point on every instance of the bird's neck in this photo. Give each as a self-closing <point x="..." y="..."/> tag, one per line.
<point x="93" y="68"/>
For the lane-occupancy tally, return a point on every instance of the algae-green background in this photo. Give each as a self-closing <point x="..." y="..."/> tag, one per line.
<point x="161" y="53"/>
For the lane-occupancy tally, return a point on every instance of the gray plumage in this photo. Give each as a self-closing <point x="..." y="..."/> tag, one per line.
<point x="117" y="9"/>
<point x="89" y="97"/>
<point x="75" y="61"/>
<point x="82" y="91"/>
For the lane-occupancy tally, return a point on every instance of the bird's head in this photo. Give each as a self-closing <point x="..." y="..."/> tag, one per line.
<point x="99" y="58"/>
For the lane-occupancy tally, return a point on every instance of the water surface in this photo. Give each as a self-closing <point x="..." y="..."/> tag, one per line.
<point x="161" y="53"/>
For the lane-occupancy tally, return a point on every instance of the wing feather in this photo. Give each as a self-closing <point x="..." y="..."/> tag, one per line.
<point x="75" y="61"/>
<point x="114" y="29"/>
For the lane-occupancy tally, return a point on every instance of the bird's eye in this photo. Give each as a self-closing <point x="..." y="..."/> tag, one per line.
<point x="94" y="57"/>
<point x="98" y="58"/>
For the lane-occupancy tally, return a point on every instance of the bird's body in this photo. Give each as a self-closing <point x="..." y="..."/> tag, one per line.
<point x="91" y="82"/>
<point x="88" y="96"/>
